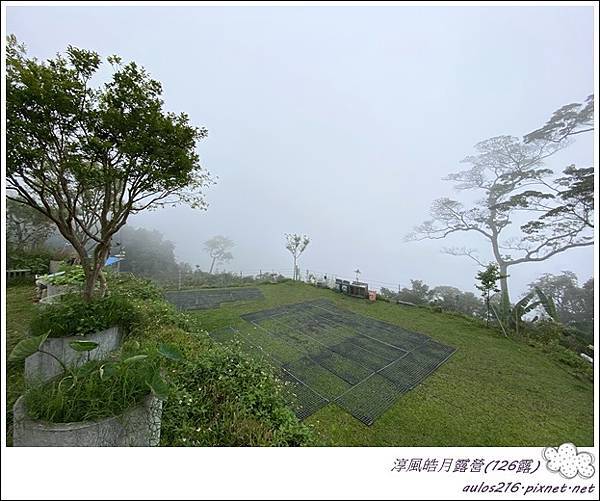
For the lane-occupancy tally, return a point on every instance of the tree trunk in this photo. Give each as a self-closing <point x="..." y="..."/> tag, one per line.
<point x="295" y="268"/>
<point x="103" y="284"/>
<point x="505" y="304"/>
<point x="212" y="266"/>
<point x="91" y="275"/>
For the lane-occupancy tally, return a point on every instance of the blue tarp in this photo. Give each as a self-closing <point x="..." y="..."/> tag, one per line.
<point x="112" y="260"/>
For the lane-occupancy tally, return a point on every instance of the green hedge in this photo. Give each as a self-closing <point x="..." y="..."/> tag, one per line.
<point x="73" y="316"/>
<point x="224" y="398"/>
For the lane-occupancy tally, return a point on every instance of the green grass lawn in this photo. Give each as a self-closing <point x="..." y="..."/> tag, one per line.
<point x="493" y="391"/>
<point x="19" y="310"/>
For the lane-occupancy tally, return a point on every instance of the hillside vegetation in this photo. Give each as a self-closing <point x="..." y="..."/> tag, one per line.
<point x="493" y="391"/>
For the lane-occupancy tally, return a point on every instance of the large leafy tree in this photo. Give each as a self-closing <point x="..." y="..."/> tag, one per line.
<point x="89" y="157"/>
<point x="513" y="186"/>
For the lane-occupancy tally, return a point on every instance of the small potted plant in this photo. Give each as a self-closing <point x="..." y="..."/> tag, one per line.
<point x="117" y="402"/>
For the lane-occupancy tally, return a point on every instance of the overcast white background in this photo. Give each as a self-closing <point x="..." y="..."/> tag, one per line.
<point x="341" y="122"/>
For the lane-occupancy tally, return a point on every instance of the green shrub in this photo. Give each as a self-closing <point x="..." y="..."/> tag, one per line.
<point x="73" y="275"/>
<point x="73" y="316"/>
<point x="36" y="261"/>
<point x="132" y="287"/>
<point x="152" y="315"/>
<point x="223" y="398"/>
<point x="570" y="360"/>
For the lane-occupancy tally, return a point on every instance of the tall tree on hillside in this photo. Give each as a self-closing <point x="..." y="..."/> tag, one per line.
<point x="218" y="250"/>
<point x="513" y="184"/>
<point x="296" y="244"/>
<point x="26" y="228"/>
<point x="87" y="158"/>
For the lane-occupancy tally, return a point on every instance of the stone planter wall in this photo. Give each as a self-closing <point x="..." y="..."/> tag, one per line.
<point x="50" y="299"/>
<point x="40" y="367"/>
<point x="55" y="290"/>
<point x="137" y="427"/>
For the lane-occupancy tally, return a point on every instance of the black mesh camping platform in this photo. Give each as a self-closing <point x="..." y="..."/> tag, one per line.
<point x="203" y="299"/>
<point x="326" y="354"/>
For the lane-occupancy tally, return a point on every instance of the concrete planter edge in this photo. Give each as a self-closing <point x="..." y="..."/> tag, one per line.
<point x="40" y="367"/>
<point x="138" y="426"/>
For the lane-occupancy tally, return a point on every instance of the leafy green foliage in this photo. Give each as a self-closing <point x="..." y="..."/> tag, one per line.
<point x="37" y="261"/>
<point x="72" y="275"/>
<point x="574" y="303"/>
<point x="102" y="388"/>
<point x="130" y="286"/>
<point x="548" y="304"/>
<point x="170" y="351"/>
<point x="83" y="345"/>
<point x="72" y="315"/>
<point x="193" y="278"/>
<point x="488" y="280"/>
<point x="224" y="398"/>
<point x="568" y="120"/>
<point x="552" y="339"/>
<point x="527" y="383"/>
<point x="114" y="146"/>
<point x="27" y="347"/>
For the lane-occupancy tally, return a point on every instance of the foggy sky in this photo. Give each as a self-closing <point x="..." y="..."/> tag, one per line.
<point x="339" y="122"/>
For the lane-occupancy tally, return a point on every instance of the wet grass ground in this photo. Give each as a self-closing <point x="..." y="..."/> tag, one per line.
<point x="493" y="391"/>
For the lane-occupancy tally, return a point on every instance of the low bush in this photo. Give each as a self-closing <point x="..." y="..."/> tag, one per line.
<point x="572" y="362"/>
<point x="224" y="398"/>
<point x="73" y="316"/>
<point x="36" y="261"/>
<point x="72" y="275"/>
<point x="129" y="286"/>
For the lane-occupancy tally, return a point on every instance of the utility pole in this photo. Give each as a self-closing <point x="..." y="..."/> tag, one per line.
<point x="179" y="283"/>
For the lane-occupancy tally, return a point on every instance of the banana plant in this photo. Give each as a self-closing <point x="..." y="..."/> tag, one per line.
<point x="520" y="309"/>
<point x="548" y="304"/>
